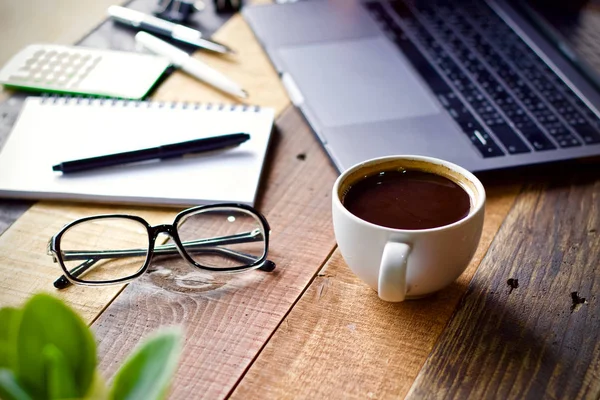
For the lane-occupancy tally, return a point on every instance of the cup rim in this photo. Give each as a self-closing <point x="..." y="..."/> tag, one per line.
<point x="481" y="195"/>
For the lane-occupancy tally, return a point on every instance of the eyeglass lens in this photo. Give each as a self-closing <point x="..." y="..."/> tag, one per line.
<point x="104" y="249"/>
<point x="222" y="238"/>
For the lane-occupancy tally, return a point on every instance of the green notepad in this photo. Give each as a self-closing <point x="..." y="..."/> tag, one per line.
<point x="83" y="71"/>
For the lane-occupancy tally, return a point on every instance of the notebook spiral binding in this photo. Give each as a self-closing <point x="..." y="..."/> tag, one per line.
<point x="113" y="102"/>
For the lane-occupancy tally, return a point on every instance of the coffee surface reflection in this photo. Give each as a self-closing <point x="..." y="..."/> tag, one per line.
<point x="407" y="199"/>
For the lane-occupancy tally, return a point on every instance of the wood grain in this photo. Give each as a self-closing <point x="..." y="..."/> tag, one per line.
<point x="10" y="210"/>
<point x="341" y="342"/>
<point x="523" y="329"/>
<point x="229" y="318"/>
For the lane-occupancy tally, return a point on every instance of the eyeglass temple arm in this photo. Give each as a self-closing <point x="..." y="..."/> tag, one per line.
<point x="253" y="236"/>
<point x="91" y="258"/>
<point x="62" y="282"/>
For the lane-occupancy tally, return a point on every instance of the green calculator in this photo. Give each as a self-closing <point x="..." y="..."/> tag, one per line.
<point x="77" y="70"/>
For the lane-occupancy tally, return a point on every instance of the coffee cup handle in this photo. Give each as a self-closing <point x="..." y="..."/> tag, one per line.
<point x="392" y="272"/>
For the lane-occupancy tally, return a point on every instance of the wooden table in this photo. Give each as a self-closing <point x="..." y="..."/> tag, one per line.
<point x="522" y="321"/>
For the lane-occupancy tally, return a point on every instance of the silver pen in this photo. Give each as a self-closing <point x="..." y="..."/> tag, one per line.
<point x="190" y="65"/>
<point x="163" y="27"/>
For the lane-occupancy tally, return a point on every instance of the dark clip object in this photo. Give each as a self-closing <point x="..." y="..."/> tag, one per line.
<point x="227" y="6"/>
<point x="176" y="10"/>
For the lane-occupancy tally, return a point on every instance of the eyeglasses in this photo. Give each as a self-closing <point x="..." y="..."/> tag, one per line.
<point x="117" y="248"/>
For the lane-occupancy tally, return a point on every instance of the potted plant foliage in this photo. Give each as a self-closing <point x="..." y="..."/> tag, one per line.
<point x="48" y="352"/>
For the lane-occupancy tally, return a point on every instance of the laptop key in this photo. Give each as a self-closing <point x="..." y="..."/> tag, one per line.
<point x="588" y="133"/>
<point x="474" y="131"/>
<point x="481" y="140"/>
<point x="534" y="135"/>
<point x="510" y="140"/>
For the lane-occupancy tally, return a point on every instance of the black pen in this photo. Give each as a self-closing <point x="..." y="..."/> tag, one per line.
<point x="161" y="152"/>
<point x="166" y="28"/>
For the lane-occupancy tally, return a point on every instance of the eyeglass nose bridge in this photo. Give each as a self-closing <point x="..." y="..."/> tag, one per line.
<point x="163" y="228"/>
<point x="169" y="229"/>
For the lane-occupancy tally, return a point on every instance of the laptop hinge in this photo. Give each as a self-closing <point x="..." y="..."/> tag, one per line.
<point x="292" y="89"/>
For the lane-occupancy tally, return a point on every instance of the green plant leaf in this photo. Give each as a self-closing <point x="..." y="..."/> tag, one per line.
<point x="147" y="372"/>
<point x="47" y="320"/>
<point x="97" y="389"/>
<point x="7" y="355"/>
<point x="10" y="388"/>
<point x="59" y="375"/>
<point x="10" y="318"/>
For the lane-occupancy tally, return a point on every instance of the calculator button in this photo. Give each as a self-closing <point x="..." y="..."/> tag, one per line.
<point x="50" y="54"/>
<point x="61" y="80"/>
<point x="38" y="53"/>
<point x="18" y="77"/>
<point x="23" y="73"/>
<point x="86" y="68"/>
<point x="75" y="83"/>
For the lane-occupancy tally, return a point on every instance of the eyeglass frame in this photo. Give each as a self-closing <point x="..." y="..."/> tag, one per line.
<point x="153" y="231"/>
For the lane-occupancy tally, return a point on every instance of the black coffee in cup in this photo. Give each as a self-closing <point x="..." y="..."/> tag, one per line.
<point x="407" y="199"/>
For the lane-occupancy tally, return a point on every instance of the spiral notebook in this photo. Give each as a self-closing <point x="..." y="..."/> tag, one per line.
<point x="52" y="130"/>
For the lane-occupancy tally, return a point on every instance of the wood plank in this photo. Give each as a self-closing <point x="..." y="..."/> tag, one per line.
<point x="341" y="342"/>
<point x="230" y="317"/>
<point x="524" y="329"/>
<point x="10" y="210"/>
<point x="24" y="266"/>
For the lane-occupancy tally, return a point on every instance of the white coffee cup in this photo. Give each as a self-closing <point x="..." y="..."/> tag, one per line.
<point x="399" y="263"/>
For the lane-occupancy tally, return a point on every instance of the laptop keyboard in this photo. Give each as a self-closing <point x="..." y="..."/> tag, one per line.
<point x="502" y="95"/>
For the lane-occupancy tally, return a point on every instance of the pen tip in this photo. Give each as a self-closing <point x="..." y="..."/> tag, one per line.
<point x="244" y="94"/>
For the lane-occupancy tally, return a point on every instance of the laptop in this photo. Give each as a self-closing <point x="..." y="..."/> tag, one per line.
<point x="484" y="84"/>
